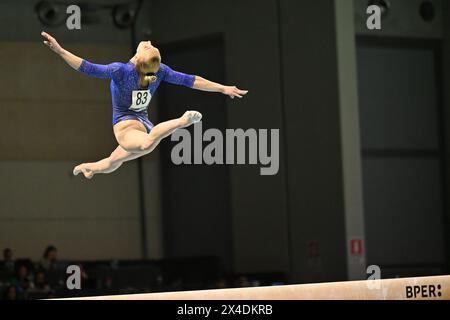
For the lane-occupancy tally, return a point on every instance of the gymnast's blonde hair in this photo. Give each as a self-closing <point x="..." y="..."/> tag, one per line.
<point x="147" y="69"/>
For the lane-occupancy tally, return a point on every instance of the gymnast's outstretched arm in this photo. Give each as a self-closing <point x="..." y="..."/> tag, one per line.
<point x="95" y="70"/>
<point x="199" y="83"/>
<point x="206" y="85"/>
<point x="71" y="59"/>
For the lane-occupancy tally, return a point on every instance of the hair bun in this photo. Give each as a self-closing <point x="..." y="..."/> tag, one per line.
<point x="150" y="79"/>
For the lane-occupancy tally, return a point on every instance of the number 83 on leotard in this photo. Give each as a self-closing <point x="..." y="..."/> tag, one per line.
<point x="140" y="100"/>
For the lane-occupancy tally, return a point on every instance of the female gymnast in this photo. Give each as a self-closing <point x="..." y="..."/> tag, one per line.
<point x="132" y="86"/>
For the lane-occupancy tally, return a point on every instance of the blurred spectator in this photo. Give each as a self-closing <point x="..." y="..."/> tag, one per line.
<point x="22" y="280"/>
<point x="244" y="282"/>
<point x="8" y="260"/>
<point x="40" y="282"/>
<point x="49" y="260"/>
<point x="220" y="283"/>
<point x="84" y="275"/>
<point x="51" y="295"/>
<point x="10" y="293"/>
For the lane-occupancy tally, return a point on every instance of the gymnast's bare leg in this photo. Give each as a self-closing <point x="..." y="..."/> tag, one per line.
<point x="135" y="142"/>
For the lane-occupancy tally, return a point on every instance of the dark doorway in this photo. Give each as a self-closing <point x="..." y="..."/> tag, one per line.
<point x="196" y="205"/>
<point x="402" y="156"/>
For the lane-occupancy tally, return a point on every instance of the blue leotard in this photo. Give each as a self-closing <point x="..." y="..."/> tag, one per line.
<point x="127" y="97"/>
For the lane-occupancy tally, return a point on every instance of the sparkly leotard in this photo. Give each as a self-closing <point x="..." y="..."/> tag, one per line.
<point x="129" y="101"/>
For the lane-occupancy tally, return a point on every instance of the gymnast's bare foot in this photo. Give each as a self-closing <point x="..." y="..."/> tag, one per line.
<point x="190" y="117"/>
<point x="86" y="171"/>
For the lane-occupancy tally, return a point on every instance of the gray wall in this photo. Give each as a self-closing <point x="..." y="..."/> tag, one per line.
<point x="312" y="94"/>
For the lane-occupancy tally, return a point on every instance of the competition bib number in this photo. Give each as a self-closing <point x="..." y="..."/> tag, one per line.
<point x="141" y="99"/>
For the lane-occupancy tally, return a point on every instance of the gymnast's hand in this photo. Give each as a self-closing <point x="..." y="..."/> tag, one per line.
<point x="52" y="43"/>
<point x="233" y="92"/>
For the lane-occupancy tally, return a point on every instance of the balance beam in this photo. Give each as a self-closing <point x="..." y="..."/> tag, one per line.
<point x="424" y="288"/>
